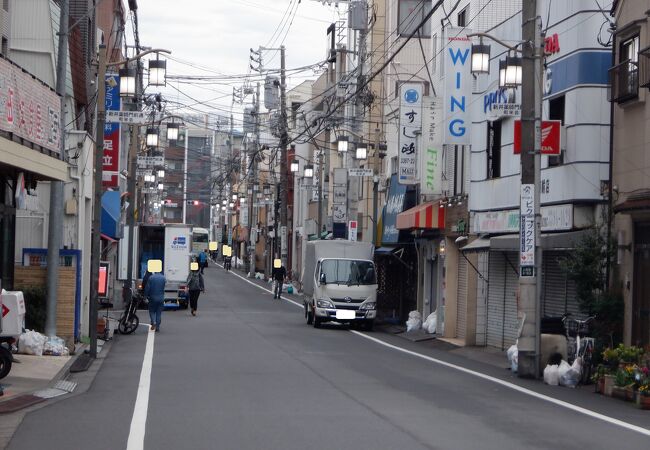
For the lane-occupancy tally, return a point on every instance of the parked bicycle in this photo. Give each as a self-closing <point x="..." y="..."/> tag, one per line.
<point x="579" y="344"/>
<point x="129" y="321"/>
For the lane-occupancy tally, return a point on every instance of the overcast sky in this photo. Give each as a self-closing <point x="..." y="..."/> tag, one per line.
<point x="217" y="34"/>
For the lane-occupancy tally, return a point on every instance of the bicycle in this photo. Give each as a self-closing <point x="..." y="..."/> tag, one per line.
<point x="227" y="263"/>
<point x="129" y="321"/>
<point x="579" y="345"/>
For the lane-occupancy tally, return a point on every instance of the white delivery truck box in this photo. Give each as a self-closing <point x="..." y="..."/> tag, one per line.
<point x="12" y="305"/>
<point x="178" y="248"/>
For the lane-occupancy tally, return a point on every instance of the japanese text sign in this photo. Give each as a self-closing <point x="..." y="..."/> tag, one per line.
<point x="410" y="123"/>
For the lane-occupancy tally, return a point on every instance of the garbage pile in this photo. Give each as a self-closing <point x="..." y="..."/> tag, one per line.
<point x="34" y="343"/>
<point x="563" y="374"/>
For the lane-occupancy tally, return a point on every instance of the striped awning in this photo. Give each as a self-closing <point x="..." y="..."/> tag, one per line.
<point x="427" y="215"/>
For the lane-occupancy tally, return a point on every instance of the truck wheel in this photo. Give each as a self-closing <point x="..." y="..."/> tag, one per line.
<point x="5" y="362"/>
<point x="368" y="325"/>
<point x="309" y="315"/>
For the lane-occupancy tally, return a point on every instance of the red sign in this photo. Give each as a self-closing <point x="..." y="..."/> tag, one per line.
<point x="551" y="142"/>
<point x="552" y="44"/>
<point x="5" y="310"/>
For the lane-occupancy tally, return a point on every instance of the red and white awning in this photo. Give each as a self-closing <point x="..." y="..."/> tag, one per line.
<point x="427" y="215"/>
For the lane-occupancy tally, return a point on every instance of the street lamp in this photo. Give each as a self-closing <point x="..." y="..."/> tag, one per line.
<point x="157" y="72"/>
<point x="172" y="131"/>
<point x="513" y="71"/>
<point x="502" y="73"/>
<point x="294" y="166"/>
<point x="231" y="205"/>
<point x="127" y="82"/>
<point x="224" y="202"/>
<point x="308" y="171"/>
<point x="480" y="58"/>
<point x="152" y="137"/>
<point x="161" y="186"/>
<point x="266" y="189"/>
<point x="161" y="174"/>
<point x="362" y="151"/>
<point x="234" y="197"/>
<point x="342" y="144"/>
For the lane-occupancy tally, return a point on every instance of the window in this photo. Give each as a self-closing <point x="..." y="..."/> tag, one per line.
<point x="5" y="5"/>
<point x="556" y="112"/>
<point x="462" y="17"/>
<point x="410" y="15"/>
<point x="624" y="77"/>
<point x="5" y="46"/>
<point x="494" y="149"/>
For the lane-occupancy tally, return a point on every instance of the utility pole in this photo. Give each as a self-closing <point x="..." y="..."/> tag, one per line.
<point x="375" y="187"/>
<point x="253" y="214"/>
<point x="531" y="122"/>
<point x="97" y="200"/>
<point x="55" y="229"/>
<point x="130" y="213"/>
<point x="284" y="142"/>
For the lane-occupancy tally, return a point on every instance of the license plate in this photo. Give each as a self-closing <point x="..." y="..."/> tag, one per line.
<point x="345" y="314"/>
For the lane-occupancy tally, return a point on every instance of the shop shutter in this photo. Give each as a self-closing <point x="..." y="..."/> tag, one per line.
<point x="461" y="317"/>
<point x="558" y="292"/>
<point x="502" y="324"/>
<point x="482" y="297"/>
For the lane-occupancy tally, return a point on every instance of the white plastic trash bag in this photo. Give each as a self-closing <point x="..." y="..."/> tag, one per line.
<point x="552" y="375"/>
<point x="414" y="322"/>
<point x="513" y="357"/>
<point x="31" y="343"/>
<point x="429" y="324"/>
<point x="55" y="346"/>
<point x="568" y="375"/>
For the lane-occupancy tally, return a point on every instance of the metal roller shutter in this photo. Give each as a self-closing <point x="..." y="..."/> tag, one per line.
<point x="558" y="292"/>
<point x="461" y="317"/>
<point x="502" y="325"/>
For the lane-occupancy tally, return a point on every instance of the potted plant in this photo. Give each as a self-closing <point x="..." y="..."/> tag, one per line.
<point x="623" y="384"/>
<point x="643" y="396"/>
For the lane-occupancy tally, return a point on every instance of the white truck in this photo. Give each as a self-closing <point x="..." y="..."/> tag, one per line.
<point x="172" y="243"/>
<point x="340" y="283"/>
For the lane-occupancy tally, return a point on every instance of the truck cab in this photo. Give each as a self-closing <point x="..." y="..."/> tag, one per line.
<point x="345" y="291"/>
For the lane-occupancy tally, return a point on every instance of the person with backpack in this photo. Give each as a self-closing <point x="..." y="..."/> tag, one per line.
<point x="195" y="286"/>
<point x="203" y="260"/>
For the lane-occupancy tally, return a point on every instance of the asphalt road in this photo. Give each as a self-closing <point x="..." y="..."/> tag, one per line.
<point x="248" y="373"/>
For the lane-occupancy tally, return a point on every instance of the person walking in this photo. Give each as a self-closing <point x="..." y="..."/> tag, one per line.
<point x="279" y="274"/>
<point x="195" y="286"/>
<point x="203" y="260"/>
<point x="154" y="292"/>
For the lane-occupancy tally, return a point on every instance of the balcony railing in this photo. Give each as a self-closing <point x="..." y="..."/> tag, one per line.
<point x="624" y="82"/>
<point x="644" y="68"/>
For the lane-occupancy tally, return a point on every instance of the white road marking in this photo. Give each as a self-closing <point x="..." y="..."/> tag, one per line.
<point x="139" y="419"/>
<point x="507" y="384"/>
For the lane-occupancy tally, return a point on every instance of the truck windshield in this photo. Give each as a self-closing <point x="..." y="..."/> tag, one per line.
<point x="346" y="271"/>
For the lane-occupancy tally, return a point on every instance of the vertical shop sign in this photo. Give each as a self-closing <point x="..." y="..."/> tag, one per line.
<point x="111" y="165"/>
<point x="410" y="123"/>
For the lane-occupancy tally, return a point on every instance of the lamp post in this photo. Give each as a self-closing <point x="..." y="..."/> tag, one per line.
<point x="527" y="72"/>
<point x="98" y="164"/>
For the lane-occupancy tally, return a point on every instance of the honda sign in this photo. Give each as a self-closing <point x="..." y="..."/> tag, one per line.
<point x="551" y="131"/>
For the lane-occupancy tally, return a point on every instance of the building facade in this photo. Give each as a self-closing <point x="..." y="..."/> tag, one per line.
<point x="630" y="78"/>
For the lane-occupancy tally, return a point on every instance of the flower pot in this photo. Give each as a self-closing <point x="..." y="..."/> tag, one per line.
<point x="600" y="385"/>
<point x="630" y="394"/>
<point x="642" y="400"/>
<point x="618" y="392"/>
<point x="608" y="384"/>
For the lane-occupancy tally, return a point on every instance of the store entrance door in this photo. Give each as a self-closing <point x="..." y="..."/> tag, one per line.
<point x="641" y="298"/>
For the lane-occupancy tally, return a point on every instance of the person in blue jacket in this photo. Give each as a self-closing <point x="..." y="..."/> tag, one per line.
<point x="154" y="292"/>
<point x="203" y="260"/>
